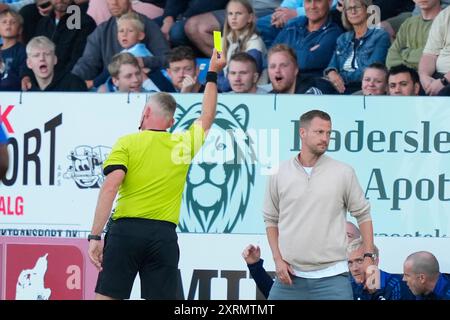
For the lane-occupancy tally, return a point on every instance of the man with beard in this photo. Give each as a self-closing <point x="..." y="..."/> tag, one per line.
<point x="69" y="40"/>
<point x="403" y="81"/>
<point x="285" y="76"/>
<point x="305" y="210"/>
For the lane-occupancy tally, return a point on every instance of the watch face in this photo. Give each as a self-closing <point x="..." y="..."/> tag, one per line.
<point x="370" y="255"/>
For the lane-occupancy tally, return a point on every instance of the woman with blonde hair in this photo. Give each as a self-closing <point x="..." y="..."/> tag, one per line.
<point x="239" y="35"/>
<point x="356" y="49"/>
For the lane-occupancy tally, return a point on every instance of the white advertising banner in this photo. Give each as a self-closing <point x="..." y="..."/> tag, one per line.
<point x="398" y="146"/>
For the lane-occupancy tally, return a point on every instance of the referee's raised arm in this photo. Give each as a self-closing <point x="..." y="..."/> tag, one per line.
<point x="217" y="63"/>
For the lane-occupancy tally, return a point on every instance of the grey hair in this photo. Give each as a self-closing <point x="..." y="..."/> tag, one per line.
<point x="347" y="25"/>
<point x="165" y="102"/>
<point x="357" y="244"/>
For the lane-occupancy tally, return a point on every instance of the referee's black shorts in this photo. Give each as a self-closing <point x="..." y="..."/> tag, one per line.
<point x="144" y="246"/>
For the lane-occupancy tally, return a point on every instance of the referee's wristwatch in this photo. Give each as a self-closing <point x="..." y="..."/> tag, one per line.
<point x="444" y="81"/>
<point x="94" y="237"/>
<point x="371" y="255"/>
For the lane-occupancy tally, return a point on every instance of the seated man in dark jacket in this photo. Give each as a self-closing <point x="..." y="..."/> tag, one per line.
<point x="41" y="59"/>
<point x="421" y="273"/>
<point x="379" y="285"/>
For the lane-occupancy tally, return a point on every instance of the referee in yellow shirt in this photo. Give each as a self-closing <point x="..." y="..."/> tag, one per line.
<point x="149" y="170"/>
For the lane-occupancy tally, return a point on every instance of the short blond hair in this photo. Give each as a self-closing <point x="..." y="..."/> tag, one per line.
<point x="134" y="19"/>
<point x="40" y="42"/>
<point x="283" y="48"/>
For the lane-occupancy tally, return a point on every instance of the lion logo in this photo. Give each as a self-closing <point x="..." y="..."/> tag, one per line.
<point x="86" y="166"/>
<point x="222" y="173"/>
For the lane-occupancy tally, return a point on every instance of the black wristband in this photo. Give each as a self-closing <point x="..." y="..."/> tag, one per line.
<point x="211" y="76"/>
<point x="94" y="237"/>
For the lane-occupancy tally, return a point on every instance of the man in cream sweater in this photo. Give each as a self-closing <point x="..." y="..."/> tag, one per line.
<point x="305" y="211"/>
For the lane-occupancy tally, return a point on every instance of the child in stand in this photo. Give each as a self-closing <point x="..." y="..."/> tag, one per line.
<point x="12" y="52"/>
<point x="239" y="34"/>
<point x="130" y="33"/>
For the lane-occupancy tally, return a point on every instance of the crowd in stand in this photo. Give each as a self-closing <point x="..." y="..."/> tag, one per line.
<point x="366" y="47"/>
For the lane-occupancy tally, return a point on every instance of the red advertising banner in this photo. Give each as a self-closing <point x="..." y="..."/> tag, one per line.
<point x="46" y="269"/>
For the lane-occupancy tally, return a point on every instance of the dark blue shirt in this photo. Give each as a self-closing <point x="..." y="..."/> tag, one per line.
<point x="441" y="290"/>
<point x="262" y="279"/>
<point x="392" y="287"/>
<point x="314" y="49"/>
<point x="14" y="59"/>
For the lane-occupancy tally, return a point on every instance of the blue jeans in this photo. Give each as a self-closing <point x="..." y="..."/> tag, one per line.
<point x="176" y="33"/>
<point x="330" y="288"/>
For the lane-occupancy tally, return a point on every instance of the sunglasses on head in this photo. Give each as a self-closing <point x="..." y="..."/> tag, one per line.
<point x="45" y="5"/>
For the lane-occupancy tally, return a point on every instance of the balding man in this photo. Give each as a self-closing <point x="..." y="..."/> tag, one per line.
<point x="421" y="273"/>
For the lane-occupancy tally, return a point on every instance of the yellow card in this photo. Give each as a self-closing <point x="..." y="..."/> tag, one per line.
<point x="218" y="41"/>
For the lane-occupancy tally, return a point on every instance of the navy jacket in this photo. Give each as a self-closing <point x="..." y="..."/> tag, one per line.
<point x="314" y="49"/>
<point x="441" y="290"/>
<point x="14" y="60"/>
<point x="262" y="279"/>
<point x="392" y="287"/>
